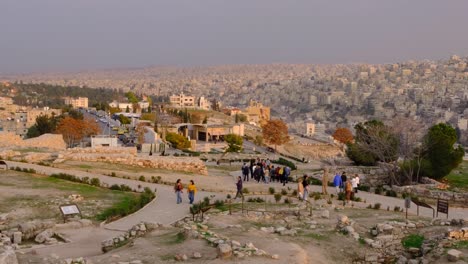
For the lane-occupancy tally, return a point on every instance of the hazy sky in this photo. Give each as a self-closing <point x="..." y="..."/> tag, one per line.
<point x="68" y="35"/>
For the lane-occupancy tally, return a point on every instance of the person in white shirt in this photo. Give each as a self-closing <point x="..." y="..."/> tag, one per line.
<point x="354" y="184"/>
<point x="357" y="183"/>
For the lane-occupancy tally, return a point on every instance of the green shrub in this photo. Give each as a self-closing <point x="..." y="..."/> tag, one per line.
<point x="85" y="180"/>
<point x="219" y="204"/>
<point x="277" y="197"/>
<point x="95" y="182"/>
<point x="412" y="241"/>
<point x="228" y="196"/>
<point x="314" y="181"/>
<point x="379" y="190"/>
<point x="245" y="190"/>
<point x="364" y="188"/>
<point x="113" y="174"/>
<point x="377" y="206"/>
<point x="178" y="141"/>
<point x="316" y="196"/>
<point x="271" y="190"/>
<point x="357" y="199"/>
<point x="142" y="178"/>
<point x="125" y="188"/>
<point x="285" y="162"/>
<point x="287" y="201"/>
<point x="255" y="200"/>
<point x="391" y="193"/>
<point x="115" y="187"/>
<point x="294" y="193"/>
<point x="284" y="192"/>
<point x="341" y="196"/>
<point x="127" y="206"/>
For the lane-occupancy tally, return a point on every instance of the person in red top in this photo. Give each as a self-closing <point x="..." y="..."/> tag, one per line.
<point x="179" y="189"/>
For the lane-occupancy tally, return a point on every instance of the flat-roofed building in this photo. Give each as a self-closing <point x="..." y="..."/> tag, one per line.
<point x="182" y="100"/>
<point x="80" y="102"/>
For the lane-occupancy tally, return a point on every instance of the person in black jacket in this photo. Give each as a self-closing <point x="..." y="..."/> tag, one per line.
<point x="239" y="187"/>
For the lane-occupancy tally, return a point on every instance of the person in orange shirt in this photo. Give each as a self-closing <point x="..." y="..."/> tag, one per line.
<point x="348" y="189"/>
<point x="192" y="189"/>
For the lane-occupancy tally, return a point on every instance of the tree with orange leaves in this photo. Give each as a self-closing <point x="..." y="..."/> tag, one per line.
<point x="74" y="130"/>
<point x="275" y="132"/>
<point x="343" y="135"/>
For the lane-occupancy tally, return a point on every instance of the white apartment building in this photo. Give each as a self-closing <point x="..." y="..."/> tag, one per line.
<point x="77" y="102"/>
<point x="182" y="100"/>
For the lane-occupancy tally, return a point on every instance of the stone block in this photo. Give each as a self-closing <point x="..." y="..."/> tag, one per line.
<point x="224" y="251"/>
<point x="17" y="237"/>
<point x="454" y="255"/>
<point x="43" y="236"/>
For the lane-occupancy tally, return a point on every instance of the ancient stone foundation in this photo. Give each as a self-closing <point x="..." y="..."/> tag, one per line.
<point x="128" y="156"/>
<point x="49" y="141"/>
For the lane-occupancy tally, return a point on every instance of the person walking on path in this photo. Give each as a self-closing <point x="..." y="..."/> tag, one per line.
<point x="286" y="173"/>
<point x="343" y="180"/>
<point x="325" y="181"/>
<point x="357" y="182"/>
<point x="305" y="183"/>
<point x="337" y="182"/>
<point x="349" y="190"/>
<point x="300" y="189"/>
<point x="179" y="189"/>
<point x="239" y="187"/>
<point x="192" y="189"/>
<point x="245" y="172"/>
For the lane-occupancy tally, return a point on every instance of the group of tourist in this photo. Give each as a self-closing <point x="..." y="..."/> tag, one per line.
<point x="264" y="171"/>
<point x="345" y="184"/>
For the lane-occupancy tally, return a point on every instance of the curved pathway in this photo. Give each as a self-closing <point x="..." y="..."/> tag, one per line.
<point x="163" y="209"/>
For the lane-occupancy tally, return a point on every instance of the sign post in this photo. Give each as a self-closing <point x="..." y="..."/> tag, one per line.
<point x="407" y="205"/>
<point x="69" y="210"/>
<point x="442" y="206"/>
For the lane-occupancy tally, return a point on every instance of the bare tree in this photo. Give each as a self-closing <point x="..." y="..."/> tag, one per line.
<point x="377" y="139"/>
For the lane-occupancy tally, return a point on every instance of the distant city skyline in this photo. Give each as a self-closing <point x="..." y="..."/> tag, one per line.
<point x="67" y="36"/>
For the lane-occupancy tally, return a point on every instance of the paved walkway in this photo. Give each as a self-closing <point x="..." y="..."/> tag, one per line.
<point x="162" y="210"/>
<point x="371" y="198"/>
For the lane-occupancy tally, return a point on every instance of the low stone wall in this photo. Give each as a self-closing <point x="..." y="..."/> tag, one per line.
<point x="136" y="231"/>
<point x="428" y="191"/>
<point x="49" y="141"/>
<point x="128" y="156"/>
<point x="370" y="176"/>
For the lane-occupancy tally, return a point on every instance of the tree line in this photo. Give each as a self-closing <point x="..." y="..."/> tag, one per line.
<point x="405" y="149"/>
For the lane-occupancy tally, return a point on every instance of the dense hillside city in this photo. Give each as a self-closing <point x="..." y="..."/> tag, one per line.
<point x="334" y="95"/>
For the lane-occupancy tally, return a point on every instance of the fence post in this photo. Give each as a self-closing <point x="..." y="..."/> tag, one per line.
<point x="230" y="210"/>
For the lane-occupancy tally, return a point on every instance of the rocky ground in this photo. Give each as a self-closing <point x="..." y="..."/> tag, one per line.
<point x="331" y="235"/>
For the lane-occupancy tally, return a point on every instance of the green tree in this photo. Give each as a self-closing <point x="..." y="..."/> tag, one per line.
<point x="127" y="110"/>
<point x="124" y="120"/>
<point x="234" y="143"/>
<point x="132" y="98"/>
<point x="44" y="124"/>
<point x="178" y="141"/>
<point x="441" y="156"/>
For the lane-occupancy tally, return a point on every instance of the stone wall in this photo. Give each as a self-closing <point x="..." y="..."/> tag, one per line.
<point x="429" y="191"/>
<point x="370" y="176"/>
<point x="49" y="141"/>
<point x="128" y="156"/>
